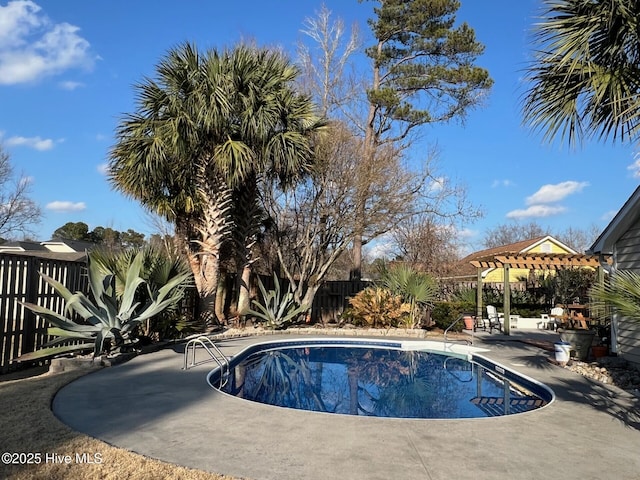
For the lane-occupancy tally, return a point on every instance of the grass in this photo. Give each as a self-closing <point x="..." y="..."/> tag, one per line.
<point x="27" y="424"/>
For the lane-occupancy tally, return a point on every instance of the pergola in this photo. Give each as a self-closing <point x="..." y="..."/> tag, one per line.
<point x="530" y="261"/>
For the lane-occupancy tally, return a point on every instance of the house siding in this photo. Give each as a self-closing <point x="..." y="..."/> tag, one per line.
<point x="627" y="255"/>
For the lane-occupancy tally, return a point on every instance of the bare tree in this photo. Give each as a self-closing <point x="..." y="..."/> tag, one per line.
<point x="314" y="224"/>
<point x="513" y="232"/>
<point x="579" y="239"/>
<point x="428" y="244"/>
<point x="18" y="213"/>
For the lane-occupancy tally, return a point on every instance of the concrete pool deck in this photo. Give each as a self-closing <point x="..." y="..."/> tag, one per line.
<point x="150" y="406"/>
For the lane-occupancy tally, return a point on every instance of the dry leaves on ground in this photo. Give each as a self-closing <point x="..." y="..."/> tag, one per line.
<point x="28" y="426"/>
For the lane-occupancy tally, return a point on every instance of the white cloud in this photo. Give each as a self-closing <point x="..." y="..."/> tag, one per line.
<point x="63" y="206"/>
<point x="635" y="167"/>
<point x="32" y="46"/>
<point x="466" y="233"/>
<point x="381" y="247"/>
<point x="502" y="183"/>
<point x="37" y="143"/>
<point x="70" y="85"/>
<point x="608" y="216"/>
<point x="437" y="184"/>
<point x="554" y="193"/>
<point x="537" y="211"/>
<point x="103" y="168"/>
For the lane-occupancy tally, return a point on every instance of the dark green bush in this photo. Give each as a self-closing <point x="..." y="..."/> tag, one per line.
<point x="445" y="313"/>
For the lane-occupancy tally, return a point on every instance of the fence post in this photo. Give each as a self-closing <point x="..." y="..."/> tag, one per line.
<point x="31" y="296"/>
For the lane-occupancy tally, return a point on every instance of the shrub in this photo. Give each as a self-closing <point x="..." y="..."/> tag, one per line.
<point x="445" y="313"/>
<point x="377" y="308"/>
<point x="417" y="289"/>
<point x="158" y="266"/>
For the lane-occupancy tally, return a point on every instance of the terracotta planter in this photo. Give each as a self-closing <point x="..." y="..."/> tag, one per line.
<point x="469" y="323"/>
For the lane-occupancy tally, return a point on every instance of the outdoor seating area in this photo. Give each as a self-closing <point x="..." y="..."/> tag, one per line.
<point x="574" y="317"/>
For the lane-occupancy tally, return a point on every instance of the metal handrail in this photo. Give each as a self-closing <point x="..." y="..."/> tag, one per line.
<point x="455" y="375"/>
<point x="213" y="351"/>
<point x="451" y="326"/>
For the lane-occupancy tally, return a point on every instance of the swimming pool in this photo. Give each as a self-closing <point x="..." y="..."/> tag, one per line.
<point x="412" y="379"/>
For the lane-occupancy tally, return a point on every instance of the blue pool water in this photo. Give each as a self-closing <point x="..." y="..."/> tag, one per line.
<point x="381" y="380"/>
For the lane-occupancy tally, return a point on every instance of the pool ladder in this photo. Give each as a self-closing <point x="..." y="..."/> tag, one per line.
<point x="454" y="373"/>
<point x="213" y="351"/>
<point x="467" y="341"/>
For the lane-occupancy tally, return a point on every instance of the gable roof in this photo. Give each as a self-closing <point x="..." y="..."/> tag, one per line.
<point x="524" y="246"/>
<point x="46" y="254"/>
<point x="22" y="246"/>
<point x="619" y="225"/>
<point x="72" y="250"/>
<point x="74" y="245"/>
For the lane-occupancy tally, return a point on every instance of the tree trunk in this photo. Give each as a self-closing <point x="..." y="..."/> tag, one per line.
<point x="244" y="290"/>
<point x="364" y="180"/>
<point x="309" y="296"/>
<point x="205" y="271"/>
<point x="248" y="218"/>
<point x="356" y="270"/>
<point x="221" y="297"/>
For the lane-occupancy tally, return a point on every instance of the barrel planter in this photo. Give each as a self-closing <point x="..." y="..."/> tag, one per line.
<point x="580" y="341"/>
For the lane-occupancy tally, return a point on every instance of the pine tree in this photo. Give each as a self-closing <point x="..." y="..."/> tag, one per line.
<point x="423" y="72"/>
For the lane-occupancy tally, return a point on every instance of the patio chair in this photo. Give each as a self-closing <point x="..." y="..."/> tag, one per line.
<point x="493" y="320"/>
<point x="554" y="320"/>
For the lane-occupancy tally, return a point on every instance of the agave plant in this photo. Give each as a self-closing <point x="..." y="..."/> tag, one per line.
<point x="158" y="266"/>
<point x="278" y="309"/>
<point x="109" y="322"/>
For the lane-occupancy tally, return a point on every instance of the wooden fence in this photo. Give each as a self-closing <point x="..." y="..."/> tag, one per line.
<point x="332" y="299"/>
<point x="21" y="331"/>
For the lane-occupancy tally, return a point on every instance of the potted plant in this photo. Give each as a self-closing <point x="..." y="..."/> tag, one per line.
<point x="469" y="321"/>
<point x="569" y="284"/>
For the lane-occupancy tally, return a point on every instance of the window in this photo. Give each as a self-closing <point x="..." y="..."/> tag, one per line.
<point x="545" y="247"/>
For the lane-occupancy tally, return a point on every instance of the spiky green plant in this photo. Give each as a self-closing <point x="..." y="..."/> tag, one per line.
<point x="621" y="292"/>
<point x="417" y="289"/>
<point x="278" y="309"/>
<point x="158" y="266"/>
<point x="108" y="323"/>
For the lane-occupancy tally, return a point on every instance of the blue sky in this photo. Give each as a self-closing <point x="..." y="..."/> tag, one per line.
<point x="67" y="68"/>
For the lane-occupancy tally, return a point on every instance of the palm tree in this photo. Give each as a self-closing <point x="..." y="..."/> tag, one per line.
<point x="270" y="138"/>
<point x="163" y="152"/>
<point x="206" y="130"/>
<point x="621" y="291"/>
<point x="586" y="74"/>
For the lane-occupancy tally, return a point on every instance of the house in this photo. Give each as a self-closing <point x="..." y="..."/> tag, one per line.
<point x="58" y="249"/>
<point x="540" y="245"/>
<point x="621" y="240"/>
